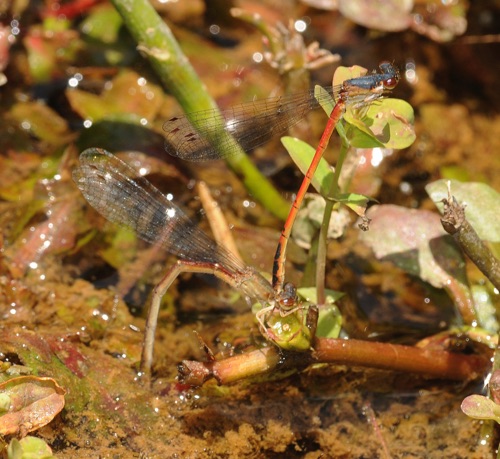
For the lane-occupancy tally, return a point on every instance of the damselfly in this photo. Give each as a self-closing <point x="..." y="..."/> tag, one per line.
<point x="252" y="124"/>
<point x="119" y="193"/>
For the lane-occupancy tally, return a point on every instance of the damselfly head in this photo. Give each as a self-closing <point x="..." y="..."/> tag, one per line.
<point x="391" y="72"/>
<point x="287" y="298"/>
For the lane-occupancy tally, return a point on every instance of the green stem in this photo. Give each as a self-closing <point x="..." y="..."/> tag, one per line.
<point x="323" y="233"/>
<point x="321" y="256"/>
<point x="156" y="41"/>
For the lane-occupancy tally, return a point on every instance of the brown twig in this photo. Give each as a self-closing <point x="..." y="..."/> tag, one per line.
<point x="217" y="220"/>
<point x="455" y="223"/>
<point x="395" y="357"/>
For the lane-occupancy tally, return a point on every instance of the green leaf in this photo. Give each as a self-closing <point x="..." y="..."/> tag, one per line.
<point x="356" y="202"/>
<point x="324" y="99"/>
<point x="42" y="122"/>
<point x="384" y="123"/>
<point x="360" y="136"/>
<point x="302" y="154"/>
<point x="482" y="205"/>
<point x="341" y="74"/>
<point x="290" y="331"/>
<point x="29" y="448"/>
<point x="329" y="322"/>
<point x="128" y="94"/>
<point x="346" y="73"/>
<point x="330" y="318"/>
<point x="103" y="24"/>
<point x="387" y="121"/>
<point x="309" y="294"/>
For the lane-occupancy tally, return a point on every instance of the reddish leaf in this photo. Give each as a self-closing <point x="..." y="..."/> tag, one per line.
<point x="32" y="403"/>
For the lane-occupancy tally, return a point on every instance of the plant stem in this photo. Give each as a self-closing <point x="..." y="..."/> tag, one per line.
<point x="156" y="41"/>
<point x="323" y="233"/>
<point x="455" y="223"/>
<point x="395" y="357"/>
<point x="321" y="253"/>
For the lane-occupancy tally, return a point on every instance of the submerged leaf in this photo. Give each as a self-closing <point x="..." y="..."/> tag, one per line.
<point x="102" y="24"/>
<point x="310" y="218"/>
<point x="34" y="402"/>
<point x="416" y="242"/>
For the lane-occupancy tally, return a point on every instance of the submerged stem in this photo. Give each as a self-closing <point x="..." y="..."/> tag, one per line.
<point x="394" y="357"/>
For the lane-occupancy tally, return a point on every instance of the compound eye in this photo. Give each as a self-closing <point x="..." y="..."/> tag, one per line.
<point x="288" y="297"/>
<point x="390" y="83"/>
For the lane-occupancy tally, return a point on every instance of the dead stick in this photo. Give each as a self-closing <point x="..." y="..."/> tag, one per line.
<point x="455" y="223"/>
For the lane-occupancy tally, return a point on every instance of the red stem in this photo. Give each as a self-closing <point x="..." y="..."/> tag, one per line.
<point x="395" y="357"/>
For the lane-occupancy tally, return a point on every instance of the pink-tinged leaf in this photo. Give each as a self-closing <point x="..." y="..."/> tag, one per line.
<point x="415" y="241"/>
<point x="494" y="386"/>
<point x="388" y="15"/>
<point x="56" y="234"/>
<point x="69" y="354"/>
<point x="50" y="48"/>
<point x="346" y="73"/>
<point x="29" y="402"/>
<point x="481" y="407"/>
<point x="5" y="44"/>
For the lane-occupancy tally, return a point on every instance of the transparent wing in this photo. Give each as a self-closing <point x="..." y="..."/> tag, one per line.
<point x="254" y="123"/>
<point x="251" y="124"/>
<point x="118" y="193"/>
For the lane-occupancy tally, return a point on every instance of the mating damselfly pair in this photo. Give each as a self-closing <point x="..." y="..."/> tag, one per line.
<point x="123" y="196"/>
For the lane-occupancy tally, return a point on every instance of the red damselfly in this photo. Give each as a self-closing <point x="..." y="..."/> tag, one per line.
<point x="253" y="123"/>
